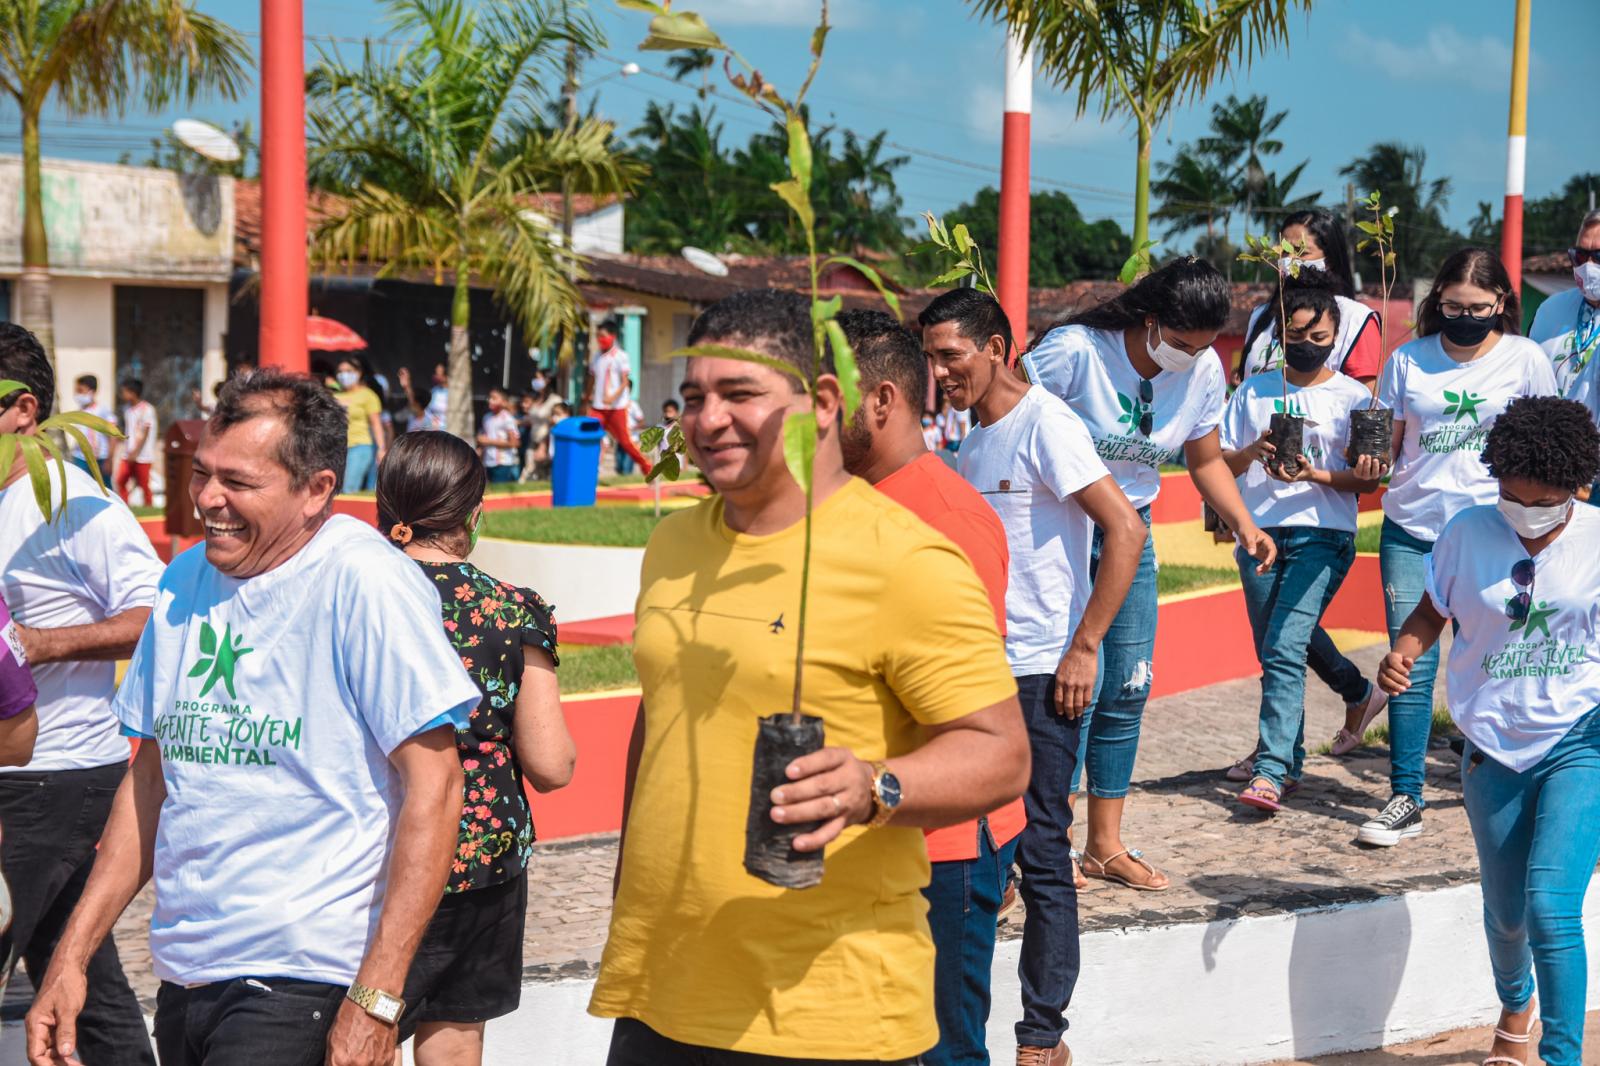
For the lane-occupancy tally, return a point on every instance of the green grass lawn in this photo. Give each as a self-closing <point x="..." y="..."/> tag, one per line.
<point x="1170" y="579"/>
<point x="593" y="669"/>
<point x="1443" y="726"/>
<point x="1367" y="538"/>
<point x="614" y="527"/>
<point x="149" y="512"/>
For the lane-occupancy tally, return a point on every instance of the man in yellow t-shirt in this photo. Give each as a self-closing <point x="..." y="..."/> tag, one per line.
<point x="705" y="963"/>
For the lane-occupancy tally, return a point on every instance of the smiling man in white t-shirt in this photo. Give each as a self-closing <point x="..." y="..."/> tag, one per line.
<point x="297" y="790"/>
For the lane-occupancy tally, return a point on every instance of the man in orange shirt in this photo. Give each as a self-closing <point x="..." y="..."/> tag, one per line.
<point x="884" y="445"/>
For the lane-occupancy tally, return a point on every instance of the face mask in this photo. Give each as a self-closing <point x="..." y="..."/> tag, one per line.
<point x="84" y="398"/>
<point x="1588" y="279"/>
<point x="1304" y="357"/>
<point x="1532" y="522"/>
<point x="472" y="534"/>
<point x="1466" y="331"/>
<point x="347" y="379"/>
<point x="1305" y="264"/>
<point x="1165" y="355"/>
<point x="926" y="422"/>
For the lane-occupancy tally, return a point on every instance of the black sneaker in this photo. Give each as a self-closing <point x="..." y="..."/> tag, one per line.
<point x="1400" y="818"/>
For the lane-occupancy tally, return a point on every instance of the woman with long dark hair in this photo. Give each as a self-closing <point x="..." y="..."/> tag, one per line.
<point x="1446" y="389"/>
<point x="469" y="966"/>
<point x="1140" y="372"/>
<point x="1324" y="258"/>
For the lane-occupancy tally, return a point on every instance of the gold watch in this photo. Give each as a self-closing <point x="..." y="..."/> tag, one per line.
<point x="886" y="794"/>
<point x="381" y="1005"/>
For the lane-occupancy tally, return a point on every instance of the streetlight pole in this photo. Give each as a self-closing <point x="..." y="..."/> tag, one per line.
<point x="1516" y="149"/>
<point x="1014" y="202"/>
<point x="283" y="187"/>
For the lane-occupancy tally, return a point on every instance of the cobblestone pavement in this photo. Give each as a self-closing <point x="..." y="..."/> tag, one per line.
<point x="1464" y="1047"/>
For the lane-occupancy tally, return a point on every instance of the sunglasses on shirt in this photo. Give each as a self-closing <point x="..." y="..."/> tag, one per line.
<point x="1580" y="256"/>
<point x="1147" y="396"/>
<point x="1518" y="606"/>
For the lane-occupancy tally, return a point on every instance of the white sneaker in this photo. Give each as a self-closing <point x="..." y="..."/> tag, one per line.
<point x="1401" y="817"/>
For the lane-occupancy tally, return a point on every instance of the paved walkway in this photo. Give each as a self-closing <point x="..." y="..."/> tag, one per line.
<point x="1464" y="1047"/>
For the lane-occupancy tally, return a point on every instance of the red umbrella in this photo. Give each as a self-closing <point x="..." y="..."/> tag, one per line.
<point x="327" y="335"/>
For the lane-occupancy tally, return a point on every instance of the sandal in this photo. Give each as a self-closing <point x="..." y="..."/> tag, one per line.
<point x="1242" y="770"/>
<point x="1079" y="882"/>
<point x="1344" y="741"/>
<point x="1261" y="795"/>
<point x="1106" y="875"/>
<point x="1510" y="1038"/>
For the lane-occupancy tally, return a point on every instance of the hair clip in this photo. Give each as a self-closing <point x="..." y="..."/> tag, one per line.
<point x="400" y="533"/>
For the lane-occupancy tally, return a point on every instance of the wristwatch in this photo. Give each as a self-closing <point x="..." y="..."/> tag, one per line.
<point x="885" y="794"/>
<point x="381" y="1005"/>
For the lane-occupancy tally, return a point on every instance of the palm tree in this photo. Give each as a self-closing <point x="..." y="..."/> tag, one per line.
<point x="1140" y="58"/>
<point x="89" y="56"/>
<point x="1275" y="199"/>
<point x="684" y="65"/>
<point x="1396" y="171"/>
<point x="440" y="155"/>
<point x="1194" y="191"/>
<point x="1242" y="131"/>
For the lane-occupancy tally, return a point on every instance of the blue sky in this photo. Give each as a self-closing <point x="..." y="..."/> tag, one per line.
<point x="1354" y="72"/>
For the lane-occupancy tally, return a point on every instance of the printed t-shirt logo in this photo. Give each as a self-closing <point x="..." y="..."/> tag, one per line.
<point x="1133" y="410"/>
<point x="1462" y="404"/>
<point x="219" y="658"/>
<point x="1294" y="408"/>
<point x="1531" y="650"/>
<point x="1537" y="618"/>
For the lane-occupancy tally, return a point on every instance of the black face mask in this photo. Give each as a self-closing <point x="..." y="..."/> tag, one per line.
<point x="1466" y="331"/>
<point x="1304" y="357"/>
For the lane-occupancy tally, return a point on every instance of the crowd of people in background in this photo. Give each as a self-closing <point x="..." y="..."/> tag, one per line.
<point x="981" y="587"/>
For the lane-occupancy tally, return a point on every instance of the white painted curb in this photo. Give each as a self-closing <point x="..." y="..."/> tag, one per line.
<point x="581" y="581"/>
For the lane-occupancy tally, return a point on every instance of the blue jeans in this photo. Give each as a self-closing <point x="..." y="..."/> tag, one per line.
<point x="360" y="467"/>
<point x="502" y="475"/>
<point x="1337" y="672"/>
<point x="1049" y="965"/>
<point x="1109" y="730"/>
<point x="963" y="906"/>
<point x="1538" y="837"/>
<point x="1402" y="559"/>
<point x="1285" y="604"/>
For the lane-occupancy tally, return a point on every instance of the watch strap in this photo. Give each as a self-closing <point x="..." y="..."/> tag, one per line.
<point x="881" y="811"/>
<point x="372" y="1000"/>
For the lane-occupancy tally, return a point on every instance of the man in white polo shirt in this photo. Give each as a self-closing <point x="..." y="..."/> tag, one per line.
<point x="297" y="793"/>
<point x="79" y="589"/>
<point x="609" y="371"/>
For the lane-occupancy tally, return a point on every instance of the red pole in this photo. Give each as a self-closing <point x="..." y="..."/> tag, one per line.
<point x="283" y="187"/>
<point x="1516" y="149"/>
<point x="1013" y="255"/>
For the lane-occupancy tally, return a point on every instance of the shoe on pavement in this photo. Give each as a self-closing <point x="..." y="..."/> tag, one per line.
<point x="1008" y="902"/>
<point x="1344" y="741"/>
<point x="1243" y="770"/>
<point x="1060" y="1055"/>
<point x="1401" y="817"/>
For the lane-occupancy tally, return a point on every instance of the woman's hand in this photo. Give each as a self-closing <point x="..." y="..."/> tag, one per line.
<point x="1371" y="467"/>
<point x="1262" y="450"/>
<point x="1303" y="471"/>
<point x="1394" y="673"/>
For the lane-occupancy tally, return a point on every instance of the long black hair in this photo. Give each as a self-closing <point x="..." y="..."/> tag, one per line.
<point x="1186" y="294"/>
<point x="1478" y="267"/>
<point x="1313" y="290"/>
<point x="1328" y="232"/>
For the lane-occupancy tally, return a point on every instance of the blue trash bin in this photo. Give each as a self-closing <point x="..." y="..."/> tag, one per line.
<point x="575" y="464"/>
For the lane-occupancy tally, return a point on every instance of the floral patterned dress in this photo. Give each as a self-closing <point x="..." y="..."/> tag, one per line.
<point x="490" y="623"/>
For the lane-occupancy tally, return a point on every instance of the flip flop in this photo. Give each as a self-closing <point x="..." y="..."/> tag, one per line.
<point x="1261" y="795"/>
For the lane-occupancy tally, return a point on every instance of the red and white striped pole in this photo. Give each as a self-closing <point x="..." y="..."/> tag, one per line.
<point x="1516" y="150"/>
<point x="1013" y="255"/>
<point x="283" y="187"/>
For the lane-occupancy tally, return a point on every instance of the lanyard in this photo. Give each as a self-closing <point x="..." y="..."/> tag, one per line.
<point x="1587" y="333"/>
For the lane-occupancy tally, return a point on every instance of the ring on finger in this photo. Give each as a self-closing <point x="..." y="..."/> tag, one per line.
<point x="838" y="808"/>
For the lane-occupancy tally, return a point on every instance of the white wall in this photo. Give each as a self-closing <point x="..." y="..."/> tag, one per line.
<point x="581" y="582"/>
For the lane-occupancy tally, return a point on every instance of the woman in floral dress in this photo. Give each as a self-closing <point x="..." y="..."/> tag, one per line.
<point x="468" y="968"/>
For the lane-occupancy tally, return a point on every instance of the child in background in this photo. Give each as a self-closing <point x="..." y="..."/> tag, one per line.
<point x="930" y="432"/>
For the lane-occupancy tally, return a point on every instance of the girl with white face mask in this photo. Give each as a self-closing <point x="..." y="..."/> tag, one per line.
<point x="1140" y="372"/>
<point x="1520" y="577"/>
<point x="1446" y="389"/>
<point x="1567" y="325"/>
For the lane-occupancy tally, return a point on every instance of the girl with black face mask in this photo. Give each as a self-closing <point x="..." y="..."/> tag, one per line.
<point x="1446" y="389"/>
<point x="1309" y="509"/>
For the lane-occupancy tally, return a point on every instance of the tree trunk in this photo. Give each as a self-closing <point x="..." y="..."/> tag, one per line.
<point x="458" y="418"/>
<point x="33" y="288"/>
<point x="1141" y="188"/>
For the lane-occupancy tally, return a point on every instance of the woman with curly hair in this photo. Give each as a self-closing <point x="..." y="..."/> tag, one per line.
<point x="1521" y="580"/>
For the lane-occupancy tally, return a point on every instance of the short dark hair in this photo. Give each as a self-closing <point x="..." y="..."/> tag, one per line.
<point x="315" y="424"/>
<point x="774" y="322"/>
<point x="1187" y="293"/>
<point x="610" y="324"/>
<point x="430" y="481"/>
<point x="22" y="359"/>
<point x="135" y="386"/>
<point x="1471" y="266"/>
<point x="1544" y="439"/>
<point x="1328" y="231"/>
<point x="977" y="315"/>
<point x="886" y="351"/>
<point x="1312" y="290"/>
<point x="89" y="381"/>
<point x="670" y="403"/>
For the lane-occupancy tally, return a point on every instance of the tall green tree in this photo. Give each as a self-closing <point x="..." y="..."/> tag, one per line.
<point x="441" y="155"/>
<point x="1140" y="58"/>
<point x="1549" y="223"/>
<point x="1062" y="245"/>
<point x="685" y="65"/>
<point x="1241" y="131"/>
<point x="91" y="57"/>
<point x="1193" y="191"/>
<point x="1398" y="171"/>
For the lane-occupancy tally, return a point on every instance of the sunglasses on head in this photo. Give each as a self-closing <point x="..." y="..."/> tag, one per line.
<point x="1521" y="576"/>
<point x="1147" y="396"/>
<point x="1580" y="256"/>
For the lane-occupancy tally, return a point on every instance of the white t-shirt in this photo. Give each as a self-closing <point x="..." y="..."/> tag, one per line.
<point x="98" y="441"/>
<point x="276" y="701"/>
<point x="1448" y="408"/>
<point x="1516" y="688"/>
<point x="1267" y="354"/>
<point x="1089" y="369"/>
<point x="1326" y="408"/>
<point x="93" y="563"/>
<point x="1028" y="465"/>
<point x="1563" y="323"/>
<point x="437" y="414"/>
<point x="141" y="417"/>
<point x="608" y="371"/>
<point x="953" y="425"/>
<point x="500" y="425"/>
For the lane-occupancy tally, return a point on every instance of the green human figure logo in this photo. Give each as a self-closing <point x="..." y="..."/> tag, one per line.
<point x="221" y="658"/>
<point x="1294" y="408"/>
<point x="1538" y="617"/>
<point x="1462" y="404"/>
<point x="1133" y="412"/>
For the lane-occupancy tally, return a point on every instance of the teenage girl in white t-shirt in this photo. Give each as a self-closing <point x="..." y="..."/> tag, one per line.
<point x="1446" y="389"/>
<point x="1140" y="372"/>
<point x="1521" y="579"/>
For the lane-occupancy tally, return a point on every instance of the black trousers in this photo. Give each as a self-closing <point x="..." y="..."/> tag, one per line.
<point x="634" y="1043"/>
<point x="248" y="1021"/>
<point x="50" y="824"/>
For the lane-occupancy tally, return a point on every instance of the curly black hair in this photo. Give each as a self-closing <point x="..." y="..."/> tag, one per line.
<point x="1545" y="439"/>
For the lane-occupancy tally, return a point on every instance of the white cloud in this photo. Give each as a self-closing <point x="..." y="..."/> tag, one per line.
<point x="1055" y="121"/>
<point x="848" y="15"/>
<point x="1443" y="56"/>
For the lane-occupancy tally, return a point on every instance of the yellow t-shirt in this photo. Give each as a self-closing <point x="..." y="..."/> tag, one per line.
<point x="900" y="632"/>
<point x="360" y="403"/>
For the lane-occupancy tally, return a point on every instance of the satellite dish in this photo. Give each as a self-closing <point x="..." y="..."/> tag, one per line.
<point x="701" y="259"/>
<point x="206" y="140"/>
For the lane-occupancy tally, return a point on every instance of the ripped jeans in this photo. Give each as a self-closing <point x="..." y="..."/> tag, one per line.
<point x="1109" y="731"/>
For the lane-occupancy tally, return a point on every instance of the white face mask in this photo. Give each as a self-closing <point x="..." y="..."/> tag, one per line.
<point x="1166" y="356"/>
<point x="1588" y="279"/>
<point x="1305" y="264"/>
<point x="347" y="379"/>
<point x="1533" y="522"/>
<point x="84" y="398"/>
